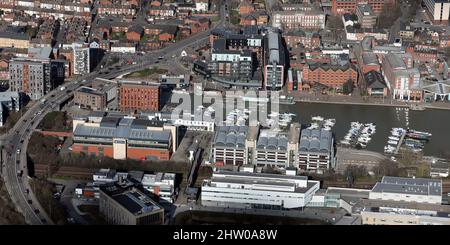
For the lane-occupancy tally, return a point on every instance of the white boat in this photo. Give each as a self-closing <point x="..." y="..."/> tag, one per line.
<point x="364" y="140"/>
<point x="363" y="145"/>
<point x="317" y="118"/>
<point x="345" y="142"/>
<point x="392" y="142"/>
<point x="394" y="138"/>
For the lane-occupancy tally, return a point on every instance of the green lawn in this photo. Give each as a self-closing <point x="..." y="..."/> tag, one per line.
<point x="146" y="72"/>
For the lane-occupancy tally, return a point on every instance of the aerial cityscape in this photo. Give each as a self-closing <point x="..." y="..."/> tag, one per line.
<point x="217" y="112"/>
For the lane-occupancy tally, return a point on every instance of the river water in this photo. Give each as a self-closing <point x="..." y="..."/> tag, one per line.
<point x="434" y="121"/>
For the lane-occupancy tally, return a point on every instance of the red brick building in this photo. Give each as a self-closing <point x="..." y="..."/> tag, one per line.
<point x="423" y="53"/>
<point x="298" y="38"/>
<point x="246" y="7"/>
<point x="134" y="33"/>
<point x="369" y="62"/>
<point x="349" y="6"/>
<point x="332" y="76"/>
<point x="138" y="96"/>
<point x="123" y="138"/>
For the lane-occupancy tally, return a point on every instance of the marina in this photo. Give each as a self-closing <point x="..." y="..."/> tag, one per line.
<point x="319" y="122"/>
<point x="359" y="135"/>
<point x="407" y="138"/>
<point x="385" y="119"/>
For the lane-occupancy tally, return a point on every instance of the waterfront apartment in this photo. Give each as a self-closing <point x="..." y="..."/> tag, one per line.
<point x="415" y="190"/>
<point x="231" y="64"/>
<point x="403" y="79"/>
<point x="121" y="137"/>
<point x="316" y="150"/>
<point x="274" y="72"/>
<point x="257" y="191"/>
<point x="122" y="203"/>
<point x="330" y="75"/>
<point x="229" y="145"/>
<point x="272" y="149"/>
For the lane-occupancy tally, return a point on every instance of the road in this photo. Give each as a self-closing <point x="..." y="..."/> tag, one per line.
<point x="346" y="156"/>
<point x="16" y="140"/>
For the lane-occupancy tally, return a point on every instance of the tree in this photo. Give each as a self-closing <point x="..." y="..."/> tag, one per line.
<point x="390" y="13"/>
<point x="347" y="87"/>
<point x="353" y="172"/>
<point x="387" y="168"/>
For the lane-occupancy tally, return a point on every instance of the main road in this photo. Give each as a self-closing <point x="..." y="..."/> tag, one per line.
<point x="15" y="171"/>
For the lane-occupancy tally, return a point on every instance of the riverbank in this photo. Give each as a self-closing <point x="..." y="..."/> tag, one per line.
<point x="358" y="100"/>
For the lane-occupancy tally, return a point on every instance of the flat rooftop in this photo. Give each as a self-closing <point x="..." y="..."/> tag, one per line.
<point x="133" y="200"/>
<point x="417" y="186"/>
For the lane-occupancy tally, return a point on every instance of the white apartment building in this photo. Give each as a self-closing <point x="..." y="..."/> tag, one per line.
<point x="161" y="184"/>
<point x="81" y="59"/>
<point x="201" y="5"/>
<point x="257" y="191"/>
<point x="307" y="20"/>
<point x="438" y="10"/>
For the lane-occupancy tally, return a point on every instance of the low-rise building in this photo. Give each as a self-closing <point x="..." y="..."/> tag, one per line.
<point x="96" y="97"/>
<point x="416" y="190"/>
<point x="14" y="37"/>
<point x="377" y="212"/>
<point x="375" y="84"/>
<point x="122" y="137"/>
<point x="90" y="98"/>
<point x="257" y="191"/>
<point x="124" y="204"/>
<point x="160" y="184"/>
<point x="9" y="102"/>
<point x="439" y="168"/>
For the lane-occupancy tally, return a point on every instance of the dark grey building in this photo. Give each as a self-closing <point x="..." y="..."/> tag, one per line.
<point x="35" y="76"/>
<point x="122" y="203"/>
